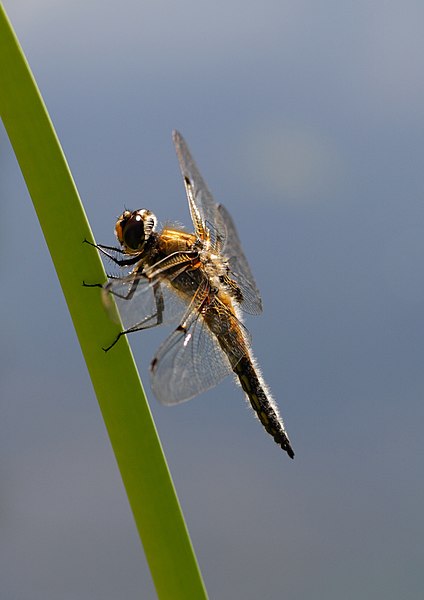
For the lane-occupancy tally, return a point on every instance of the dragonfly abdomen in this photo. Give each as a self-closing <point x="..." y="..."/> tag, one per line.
<point x="262" y="403"/>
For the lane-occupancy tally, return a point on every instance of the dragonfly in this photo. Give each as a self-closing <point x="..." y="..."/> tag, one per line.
<point x="200" y="281"/>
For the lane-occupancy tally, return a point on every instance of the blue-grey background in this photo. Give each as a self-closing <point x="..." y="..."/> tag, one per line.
<point x="306" y="120"/>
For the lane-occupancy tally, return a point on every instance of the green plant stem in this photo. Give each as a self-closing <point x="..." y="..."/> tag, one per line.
<point x="115" y="378"/>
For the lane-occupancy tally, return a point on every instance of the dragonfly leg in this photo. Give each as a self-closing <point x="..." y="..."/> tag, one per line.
<point x="104" y="250"/>
<point x="157" y="317"/>
<point x="100" y="285"/>
<point x="137" y="275"/>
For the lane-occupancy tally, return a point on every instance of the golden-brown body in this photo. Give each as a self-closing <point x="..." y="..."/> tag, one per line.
<point x="203" y="281"/>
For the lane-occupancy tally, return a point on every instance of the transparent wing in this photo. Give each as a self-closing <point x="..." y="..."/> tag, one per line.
<point x="143" y="302"/>
<point x="240" y="270"/>
<point x="207" y="220"/>
<point x="192" y="360"/>
<point x="213" y="223"/>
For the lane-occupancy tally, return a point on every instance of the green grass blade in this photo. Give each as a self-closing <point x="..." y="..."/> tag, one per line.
<point x="122" y="401"/>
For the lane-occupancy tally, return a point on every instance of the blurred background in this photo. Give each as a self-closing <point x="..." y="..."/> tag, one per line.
<point x="306" y="120"/>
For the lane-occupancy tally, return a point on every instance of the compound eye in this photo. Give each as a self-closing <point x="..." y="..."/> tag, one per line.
<point x="133" y="233"/>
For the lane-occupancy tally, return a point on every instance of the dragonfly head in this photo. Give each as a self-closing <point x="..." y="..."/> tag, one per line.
<point x="133" y="229"/>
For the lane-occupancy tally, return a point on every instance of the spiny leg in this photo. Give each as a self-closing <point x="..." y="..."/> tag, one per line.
<point x="121" y="262"/>
<point x="158" y="316"/>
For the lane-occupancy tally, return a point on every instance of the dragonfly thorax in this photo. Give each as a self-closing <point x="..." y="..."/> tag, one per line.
<point x="215" y="266"/>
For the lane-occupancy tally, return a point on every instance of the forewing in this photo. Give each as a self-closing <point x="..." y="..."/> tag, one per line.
<point x="204" y="212"/>
<point x="239" y="266"/>
<point x="213" y="222"/>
